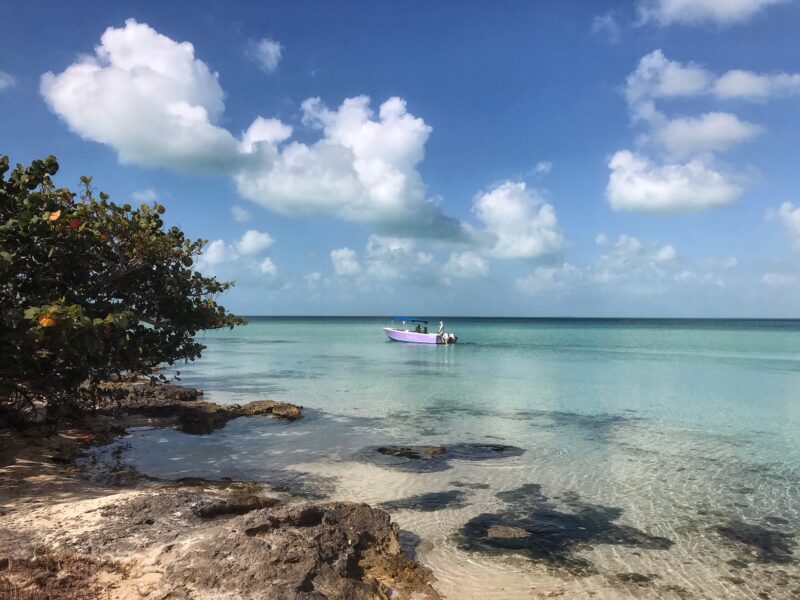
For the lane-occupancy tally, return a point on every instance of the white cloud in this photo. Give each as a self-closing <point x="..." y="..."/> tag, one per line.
<point x="269" y="131"/>
<point x="254" y="242"/>
<point x="789" y="214"/>
<point x="267" y="267"/>
<point x="345" y="262"/>
<point x="780" y="279"/>
<point x="146" y="195"/>
<point x="631" y="267"/>
<point x="266" y="53"/>
<point x="606" y="24"/>
<point x="216" y="253"/>
<point x="658" y="77"/>
<point x="518" y="222"/>
<point x="756" y="86"/>
<point x="362" y="169"/>
<point x="6" y="80"/>
<point x="714" y="131"/>
<point x="395" y="259"/>
<point x="239" y="213"/>
<point x="466" y="265"/>
<point x="692" y="12"/>
<point x="543" y="167"/>
<point x="637" y="184"/>
<point x="601" y="239"/>
<point x="148" y="97"/>
<point x="635" y="267"/>
<point x="548" y="280"/>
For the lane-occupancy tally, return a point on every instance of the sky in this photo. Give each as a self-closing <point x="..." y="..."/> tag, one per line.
<point x="630" y="158"/>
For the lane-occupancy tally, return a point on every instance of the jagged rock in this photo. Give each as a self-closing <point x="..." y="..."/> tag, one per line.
<point x="339" y="550"/>
<point x="287" y="411"/>
<point x="335" y="551"/>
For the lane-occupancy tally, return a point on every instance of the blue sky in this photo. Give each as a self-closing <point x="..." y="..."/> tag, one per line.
<point x="630" y="158"/>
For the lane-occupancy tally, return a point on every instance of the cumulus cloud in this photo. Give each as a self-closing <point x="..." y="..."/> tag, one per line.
<point x="748" y="85"/>
<point x="267" y="267"/>
<point x="789" y="214"/>
<point x="239" y="213"/>
<point x="148" y="97"/>
<point x="466" y="265"/>
<point x="156" y="104"/>
<point x="713" y="131"/>
<point x="682" y="177"/>
<point x="216" y="253"/>
<point x="629" y="266"/>
<point x="397" y="259"/>
<point x="637" y="184"/>
<point x="254" y="242"/>
<point x="658" y="77"/>
<point x="693" y="12"/>
<point x="266" y="53"/>
<point x="519" y="223"/>
<point x="345" y="262"/>
<point x="6" y="80"/>
<point x="635" y="267"/>
<point x="363" y="169"/>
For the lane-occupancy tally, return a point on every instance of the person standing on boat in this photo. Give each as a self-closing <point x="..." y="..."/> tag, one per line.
<point x="441" y="327"/>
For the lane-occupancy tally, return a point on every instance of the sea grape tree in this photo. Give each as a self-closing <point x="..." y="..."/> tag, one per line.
<point x="91" y="290"/>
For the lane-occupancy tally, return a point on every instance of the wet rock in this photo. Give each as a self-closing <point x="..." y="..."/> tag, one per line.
<point x="286" y="411"/>
<point x="428" y="502"/>
<point x="258" y="407"/>
<point x="766" y="545"/>
<point x="433" y="458"/>
<point x="192" y="415"/>
<point x="532" y="525"/>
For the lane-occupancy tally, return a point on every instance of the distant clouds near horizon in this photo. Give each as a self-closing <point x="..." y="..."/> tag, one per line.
<point x="157" y="103"/>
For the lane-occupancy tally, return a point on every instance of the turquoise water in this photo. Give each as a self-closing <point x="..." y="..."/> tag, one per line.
<point x="677" y="443"/>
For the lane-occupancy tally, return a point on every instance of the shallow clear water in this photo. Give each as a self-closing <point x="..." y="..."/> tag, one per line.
<point x="665" y="448"/>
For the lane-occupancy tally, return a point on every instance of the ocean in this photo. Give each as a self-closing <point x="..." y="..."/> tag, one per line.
<point x="595" y="458"/>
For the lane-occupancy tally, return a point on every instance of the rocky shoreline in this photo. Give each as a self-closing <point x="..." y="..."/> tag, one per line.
<point x="63" y="535"/>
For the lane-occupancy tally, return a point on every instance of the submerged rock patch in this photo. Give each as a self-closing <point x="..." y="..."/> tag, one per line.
<point x="765" y="545"/>
<point x="532" y="525"/>
<point x="424" y="459"/>
<point x="428" y="502"/>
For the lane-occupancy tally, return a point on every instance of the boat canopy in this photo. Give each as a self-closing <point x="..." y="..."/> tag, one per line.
<point x="409" y="320"/>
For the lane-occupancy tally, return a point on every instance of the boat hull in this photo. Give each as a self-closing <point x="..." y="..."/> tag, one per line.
<point x="402" y="335"/>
